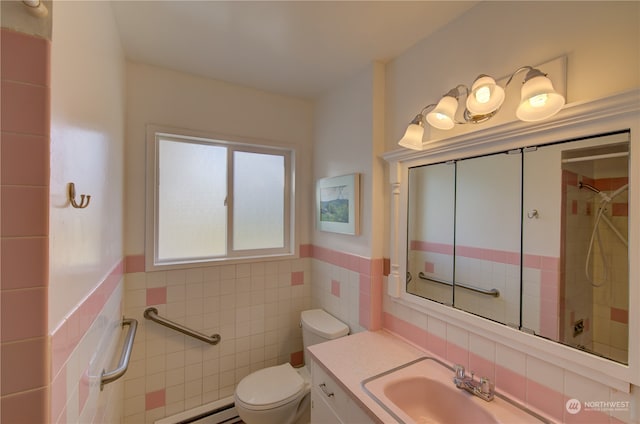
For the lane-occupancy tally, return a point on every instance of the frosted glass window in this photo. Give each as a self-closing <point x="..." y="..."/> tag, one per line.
<point x="213" y="200"/>
<point x="192" y="217"/>
<point x="258" y="199"/>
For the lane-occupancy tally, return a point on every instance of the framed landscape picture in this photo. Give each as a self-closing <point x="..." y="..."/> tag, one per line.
<point x="337" y="204"/>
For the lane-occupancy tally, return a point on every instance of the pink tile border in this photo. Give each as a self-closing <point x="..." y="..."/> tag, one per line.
<point x="306" y="250"/>
<point x="134" y="263"/>
<point x="493" y="255"/>
<point x="511" y="382"/>
<point x="425" y="246"/>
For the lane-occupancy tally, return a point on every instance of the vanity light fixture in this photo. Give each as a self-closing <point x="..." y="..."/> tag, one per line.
<point x="538" y="101"/>
<point x="412" y="138"/>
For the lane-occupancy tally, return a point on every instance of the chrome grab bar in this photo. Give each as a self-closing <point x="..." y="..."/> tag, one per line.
<point x="125" y="356"/>
<point x="152" y="314"/>
<point x="488" y="292"/>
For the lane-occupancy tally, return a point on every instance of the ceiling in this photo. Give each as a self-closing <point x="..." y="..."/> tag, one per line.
<point x="296" y="48"/>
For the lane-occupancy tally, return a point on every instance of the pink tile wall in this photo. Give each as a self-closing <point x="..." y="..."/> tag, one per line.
<point x="24" y="191"/>
<point x="68" y="337"/>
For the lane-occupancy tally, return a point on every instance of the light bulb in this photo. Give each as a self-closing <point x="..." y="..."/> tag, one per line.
<point x="483" y="94"/>
<point x="539" y="101"/>
<point x="443" y="116"/>
<point x="486" y="96"/>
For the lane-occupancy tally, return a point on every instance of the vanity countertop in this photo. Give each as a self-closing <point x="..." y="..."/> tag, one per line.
<point x="353" y="358"/>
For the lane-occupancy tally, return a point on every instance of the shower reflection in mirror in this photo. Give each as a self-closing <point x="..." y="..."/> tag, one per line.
<point x="562" y="272"/>
<point x="596" y="265"/>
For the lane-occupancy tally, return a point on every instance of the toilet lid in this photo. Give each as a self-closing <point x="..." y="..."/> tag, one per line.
<point x="270" y="387"/>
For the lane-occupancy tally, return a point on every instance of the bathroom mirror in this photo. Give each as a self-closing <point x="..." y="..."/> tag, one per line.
<point x="534" y="238"/>
<point x="575" y="244"/>
<point x="487" y="242"/>
<point x="431" y="217"/>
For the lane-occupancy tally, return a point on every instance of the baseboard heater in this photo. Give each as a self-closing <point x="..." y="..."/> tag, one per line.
<point x="222" y="411"/>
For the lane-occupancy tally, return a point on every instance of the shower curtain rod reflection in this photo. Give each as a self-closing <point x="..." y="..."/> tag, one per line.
<point x="594" y="157"/>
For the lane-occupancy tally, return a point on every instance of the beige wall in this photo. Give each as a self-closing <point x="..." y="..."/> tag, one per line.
<point x="163" y="97"/>
<point x="87" y="131"/>
<point x="348" y="137"/>
<point x="600" y="40"/>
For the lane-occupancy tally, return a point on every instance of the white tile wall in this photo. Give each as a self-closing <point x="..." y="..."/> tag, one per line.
<point x="346" y="307"/>
<point x="255" y="309"/>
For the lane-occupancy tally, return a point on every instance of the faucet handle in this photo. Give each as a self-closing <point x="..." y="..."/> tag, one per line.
<point x="460" y="373"/>
<point x="486" y="386"/>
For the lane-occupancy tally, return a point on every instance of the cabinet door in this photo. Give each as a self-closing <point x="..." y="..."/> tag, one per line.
<point x="321" y="412"/>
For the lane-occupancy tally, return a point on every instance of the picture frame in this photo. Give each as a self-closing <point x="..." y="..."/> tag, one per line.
<point x="338" y="204"/>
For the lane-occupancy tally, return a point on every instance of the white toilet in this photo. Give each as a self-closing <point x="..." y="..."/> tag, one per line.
<point x="280" y="394"/>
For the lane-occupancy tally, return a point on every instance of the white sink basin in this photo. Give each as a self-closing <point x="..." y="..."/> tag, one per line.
<point x="423" y="392"/>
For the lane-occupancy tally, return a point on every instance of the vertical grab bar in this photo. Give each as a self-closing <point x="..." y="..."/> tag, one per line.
<point x="123" y="364"/>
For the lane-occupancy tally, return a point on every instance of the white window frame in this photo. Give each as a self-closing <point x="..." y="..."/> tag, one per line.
<point x="233" y="144"/>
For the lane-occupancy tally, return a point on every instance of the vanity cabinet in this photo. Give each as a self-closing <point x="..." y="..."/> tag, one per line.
<point x="330" y="403"/>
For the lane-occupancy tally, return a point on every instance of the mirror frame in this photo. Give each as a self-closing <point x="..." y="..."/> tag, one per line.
<point x="581" y="119"/>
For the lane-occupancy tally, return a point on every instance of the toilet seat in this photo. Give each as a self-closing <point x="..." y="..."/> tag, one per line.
<point x="270" y="388"/>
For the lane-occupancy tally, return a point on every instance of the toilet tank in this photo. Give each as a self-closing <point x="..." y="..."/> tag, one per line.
<point x="318" y="326"/>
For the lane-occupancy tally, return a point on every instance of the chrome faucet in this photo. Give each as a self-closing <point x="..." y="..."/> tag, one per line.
<point x="484" y="388"/>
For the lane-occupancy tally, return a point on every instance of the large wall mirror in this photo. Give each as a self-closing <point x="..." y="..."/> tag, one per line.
<point x="535" y="238"/>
